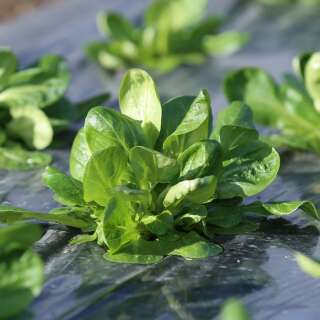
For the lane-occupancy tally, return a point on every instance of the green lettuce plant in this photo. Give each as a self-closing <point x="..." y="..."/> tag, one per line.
<point x="33" y="108"/>
<point x="173" y="32"/>
<point x="155" y="179"/>
<point x="21" y="269"/>
<point x="292" y="107"/>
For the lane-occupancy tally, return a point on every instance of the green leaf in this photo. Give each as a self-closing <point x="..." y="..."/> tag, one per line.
<point x="105" y="170"/>
<point x="308" y="265"/>
<point x="204" y="28"/>
<point x="106" y="128"/>
<point x="83" y="238"/>
<point x="79" y="156"/>
<point x="69" y="216"/>
<point x="235" y="126"/>
<point x="284" y="208"/>
<point x="198" y="191"/>
<point x="175" y="14"/>
<point x="19" y="236"/>
<point x="195" y="214"/>
<point x="118" y="225"/>
<point x="139" y="100"/>
<point x="101" y="53"/>
<point x="16" y="158"/>
<point x="312" y="78"/>
<point x="170" y="17"/>
<point x="151" y="167"/>
<point x="138" y="251"/>
<point x="8" y="65"/>
<point x="128" y="192"/>
<point x="233" y="309"/>
<point x="173" y="112"/>
<point x="193" y="246"/>
<point x="21" y="280"/>
<point x="224" y="216"/>
<point x="116" y="26"/>
<point x="225" y="43"/>
<point x="159" y="224"/>
<point x="248" y="170"/>
<point x="193" y="127"/>
<point x="31" y="125"/>
<point x="257" y="89"/>
<point x="200" y="159"/>
<point x="189" y="246"/>
<point x="299" y="63"/>
<point x="67" y="190"/>
<point x="38" y="89"/>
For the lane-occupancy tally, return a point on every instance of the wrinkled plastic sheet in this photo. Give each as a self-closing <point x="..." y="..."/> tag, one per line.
<point x="258" y="267"/>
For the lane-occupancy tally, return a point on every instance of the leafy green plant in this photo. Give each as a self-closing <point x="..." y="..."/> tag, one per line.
<point x="308" y="265"/>
<point x="292" y="107"/>
<point x="21" y="269"/>
<point x="233" y="309"/>
<point x="33" y="107"/>
<point x="155" y="180"/>
<point x="173" y="33"/>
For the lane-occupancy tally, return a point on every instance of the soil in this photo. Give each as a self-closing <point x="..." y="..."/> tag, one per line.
<point x="12" y="8"/>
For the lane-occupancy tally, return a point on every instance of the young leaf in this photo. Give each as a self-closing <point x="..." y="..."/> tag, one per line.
<point x="21" y="280"/>
<point x="79" y="156"/>
<point x="8" y="65"/>
<point x="151" y="167"/>
<point x="173" y="112"/>
<point x="105" y="170"/>
<point x="159" y="224"/>
<point x="116" y="26"/>
<point x="193" y="246"/>
<point x="70" y="216"/>
<point x="67" y="190"/>
<point x="139" y="100"/>
<point x="235" y="126"/>
<point x="312" y="78"/>
<point x="225" y="43"/>
<point x="138" y="251"/>
<point x="106" y="128"/>
<point x="195" y="214"/>
<point x="21" y="269"/>
<point x="248" y="170"/>
<point x="32" y="126"/>
<point x="258" y="90"/>
<point x="16" y="158"/>
<point x="169" y="18"/>
<point x="224" y="216"/>
<point x="200" y="159"/>
<point x="38" y="89"/>
<point x="194" y="126"/>
<point x="118" y="225"/>
<point x="299" y="63"/>
<point x="20" y="236"/>
<point x="284" y="208"/>
<point x="198" y="191"/>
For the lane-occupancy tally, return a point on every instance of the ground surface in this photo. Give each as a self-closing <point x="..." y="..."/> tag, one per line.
<point x="259" y="267"/>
